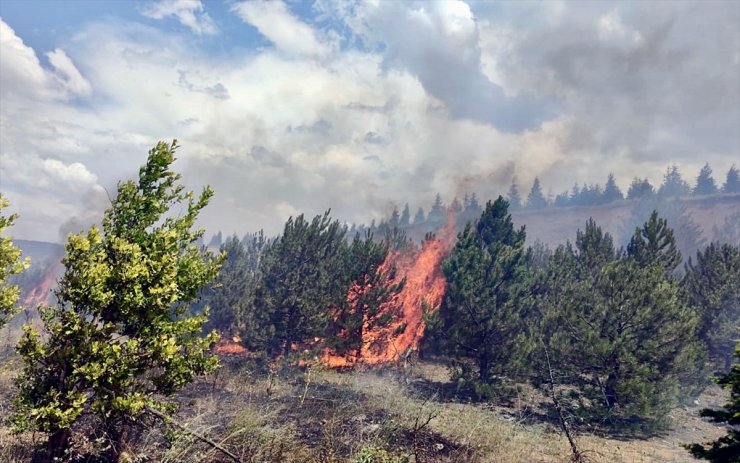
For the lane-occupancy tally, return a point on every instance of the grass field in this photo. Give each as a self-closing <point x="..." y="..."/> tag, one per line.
<point x="382" y="415"/>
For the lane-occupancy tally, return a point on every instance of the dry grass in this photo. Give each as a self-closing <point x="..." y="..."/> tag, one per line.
<point x="329" y="416"/>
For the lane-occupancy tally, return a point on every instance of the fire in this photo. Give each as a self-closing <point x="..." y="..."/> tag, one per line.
<point x="230" y="347"/>
<point x="41" y="293"/>
<point x="425" y="286"/>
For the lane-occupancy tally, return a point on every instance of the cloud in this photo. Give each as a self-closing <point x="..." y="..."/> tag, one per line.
<point x="419" y="98"/>
<point x="20" y="68"/>
<point x="22" y="74"/>
<point x="75" y="173"/>
<point x="188" y="12"/>
<point x="289" y="34"/>
<point x="69" y="76"/>
<point x="439" y="42"/>
<point x="611" y="29"/>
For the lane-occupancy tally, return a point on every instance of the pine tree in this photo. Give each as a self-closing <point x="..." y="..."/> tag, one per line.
<point x="513" y="196"/>
<point x="481" y="316"/>
<point x="591" y="195"/>
<point x="562" y="200"/>
<point x="713" y="285"/>
<point x="225" y="295"/>
<point x="705" y="184"/>
<point x="729" y="231"/>
<point x="654" y="243"/>
<point x="617" y="332"/>
<point x="611" y="191"/>
<point x="536" y="200"/>
<point x="688" y="234"/>
<point x="419" y="217"/>
<point x="673" y="184"/>
<point x="732" y="181"/>
<point x="595" y="248"/>
<point x="405" y="216"/>
<point x="726" y="449"/>
<point x="120" y="341"/>
<point x="216" y="241"/>
<point x="437" y="212"/>
<point x="303" y="275"/>
<point x="455" y="206"/>
<point x="395" y="218"/>
<point x="640" y="189"/>
<point x="371" y="286"/>
<point x="575" y="195"/>
<point x="10" y="264"/>
<point x="230" y="297"/>
<point x="473" y="207"/>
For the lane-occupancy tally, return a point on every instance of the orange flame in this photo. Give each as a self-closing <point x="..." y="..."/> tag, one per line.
<point x="41" y="293"/>
<point x="425" y="286"/>
<point x="230" y="347"/>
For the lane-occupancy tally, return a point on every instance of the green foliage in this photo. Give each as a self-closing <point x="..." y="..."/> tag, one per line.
<point x="513" y="196"/>
<point x="640" y="189"/>
<point x="687" y="233"/>
<point x="481" y="315"/>
<point x="10" y="264"/>
<point x="372" y="285"/>
<point x="617" y="331"/>
<point x="705" y="184"/>
<point x="405" y="219"/>
<point x="729" y="231"/>
<point x="536" y="200"/>
<point x="673" y="184"/>
<point x="419" y="217"/>
<point x="713" y="286"/>
<point x="120" y="340"/>
<point x="437" y="212"/>
<point x="654" y="243"/>
<point x="726" y="449"/>
<point x="373" y="454"/>
<point x="231" y="296"/>
<point x="611" y="191"/>
<point x="302" y="277"/>
<point x="732" y="181"/>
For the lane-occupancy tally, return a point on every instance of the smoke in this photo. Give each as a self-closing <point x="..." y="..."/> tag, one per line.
<point x="392" y="103"/>
<point x="94" y="203"/>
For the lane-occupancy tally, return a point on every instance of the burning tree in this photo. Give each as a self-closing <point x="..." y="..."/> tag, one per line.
<point x="10" y="264"/>
<point x="374" y="284"/>
<point x="120" y="339"/>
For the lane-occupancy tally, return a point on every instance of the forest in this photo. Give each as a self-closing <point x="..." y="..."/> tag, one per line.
<point x="375" y="342"/>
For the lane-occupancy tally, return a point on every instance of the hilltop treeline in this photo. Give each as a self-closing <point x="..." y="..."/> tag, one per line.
<point x="640" y="189"/>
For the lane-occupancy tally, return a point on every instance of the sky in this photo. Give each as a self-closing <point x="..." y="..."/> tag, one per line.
<point x="286" y="107"/>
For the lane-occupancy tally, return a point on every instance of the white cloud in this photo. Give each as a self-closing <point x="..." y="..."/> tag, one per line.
<point x="288" y="33"/>
<point x="21" y="72"/>
<point x="20" y="68"/>
<point x="188" y="12"/>
<point x="70" y="77"/>
<point x="612" y="29"/>
<point x="75" y="173"/>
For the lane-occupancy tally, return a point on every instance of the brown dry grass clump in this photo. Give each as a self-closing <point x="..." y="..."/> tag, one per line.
<point x="379" y="416"/>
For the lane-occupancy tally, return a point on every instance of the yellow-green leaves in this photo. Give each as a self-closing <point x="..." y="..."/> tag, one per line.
<point x="10" y="264"/>
<point x="122" y="336"/>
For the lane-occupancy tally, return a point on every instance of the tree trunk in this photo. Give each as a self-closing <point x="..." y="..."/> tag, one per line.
<point x="115" y="440"/>
<point x="484" y="369"/>
<point x="58" y="443"/>
<point x="610" y="390"/>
